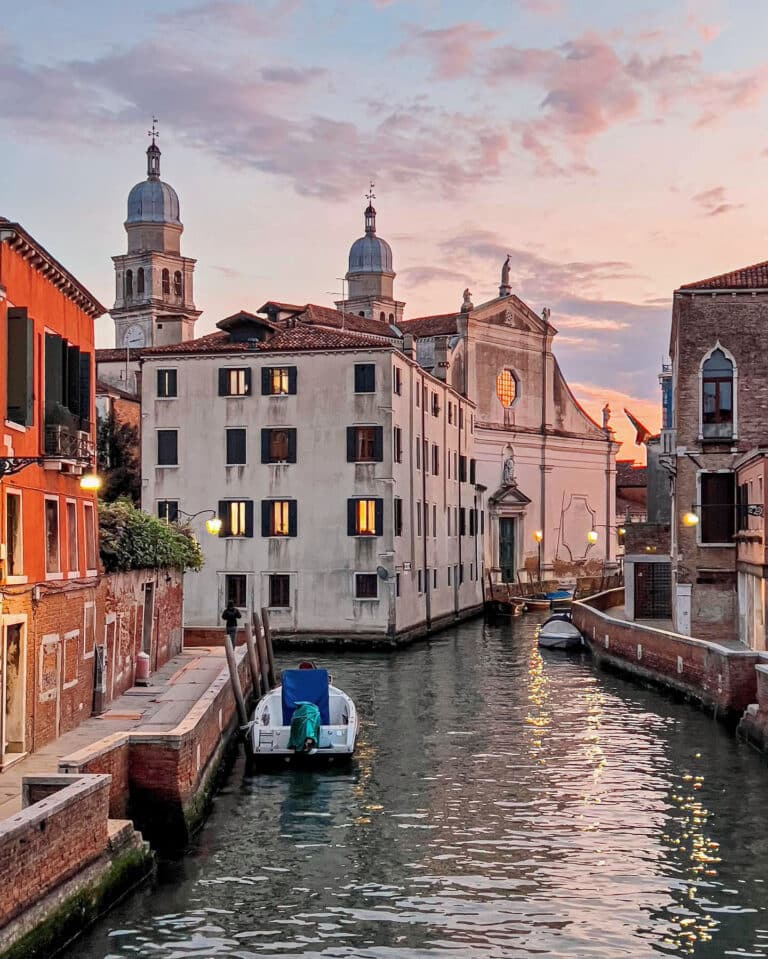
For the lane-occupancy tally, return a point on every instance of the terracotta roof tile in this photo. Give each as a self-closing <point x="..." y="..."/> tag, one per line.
<point x="627" y="474"/>
<point x="327" y="316"/>
<point x="296" y="339"/>
<point x="118" y="355"/>
<point x="442" y="324"/>
<point x="753" y="277"/>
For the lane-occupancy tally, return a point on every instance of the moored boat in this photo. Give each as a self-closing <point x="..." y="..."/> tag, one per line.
<point x="558" y="632"/>
<point x="306" y="718"/>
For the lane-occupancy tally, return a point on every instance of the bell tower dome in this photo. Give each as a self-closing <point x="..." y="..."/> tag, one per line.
<point x="154" y="304"/>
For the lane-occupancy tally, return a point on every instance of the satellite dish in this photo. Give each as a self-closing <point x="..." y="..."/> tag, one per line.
<point x="382" y="573"/>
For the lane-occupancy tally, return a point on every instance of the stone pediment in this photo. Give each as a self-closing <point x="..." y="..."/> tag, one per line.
<point x="509" y="496"/>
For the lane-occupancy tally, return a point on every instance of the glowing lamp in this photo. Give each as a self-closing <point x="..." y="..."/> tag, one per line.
<point x="592" y="537"/>
<point x="90" y="481"/>
<point x="690" y="518"/>
<point x="538" y="535"/>
<point x="622" y="531"/>
<point x="213" y="526"/>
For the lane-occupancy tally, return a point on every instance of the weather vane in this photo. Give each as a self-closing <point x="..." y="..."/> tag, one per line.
<point x="371" y="196"/>
<point x="154" y="132"/>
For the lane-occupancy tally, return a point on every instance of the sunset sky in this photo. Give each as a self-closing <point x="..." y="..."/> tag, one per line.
<point x="615" y="150"/>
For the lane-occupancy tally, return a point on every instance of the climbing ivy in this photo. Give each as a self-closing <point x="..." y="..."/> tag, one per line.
<point x="132" y="539"/>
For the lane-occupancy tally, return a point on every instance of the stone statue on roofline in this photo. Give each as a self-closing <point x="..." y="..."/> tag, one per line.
<point x="505" y="289"/>
<point x="467" y="303"/>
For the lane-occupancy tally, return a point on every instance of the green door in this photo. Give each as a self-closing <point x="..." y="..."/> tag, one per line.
<point x="507" y="549"/>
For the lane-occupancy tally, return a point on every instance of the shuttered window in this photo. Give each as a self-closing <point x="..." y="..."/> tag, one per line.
<point x="279" y="517"/>
<point x="236" y="451"/>
<point x="365" y="444"/>
<point x="167" y="447"/>
<point x="365" y="378"/>
<point x="234" y="382"/>
<point x="278" y="446"/>
<point x="236" y="517"/>
<point x="168" y="510"/>
<point x="280" y="590"/>
<point x="278" y="380"/>
<point x="718" y="507"/>
<point x="167" y="383"/>
<point x="19" y="369"/>
<point x="365" y="517"/>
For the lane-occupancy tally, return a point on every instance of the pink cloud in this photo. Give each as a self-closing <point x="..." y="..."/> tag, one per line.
<point x="451" y="50"/>
<point x="714" y="202"/>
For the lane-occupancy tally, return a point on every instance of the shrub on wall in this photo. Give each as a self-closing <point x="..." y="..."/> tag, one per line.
<point x="132" y="539"/>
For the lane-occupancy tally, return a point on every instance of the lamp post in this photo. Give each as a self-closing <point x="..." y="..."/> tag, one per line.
<point x="538" y="535"/>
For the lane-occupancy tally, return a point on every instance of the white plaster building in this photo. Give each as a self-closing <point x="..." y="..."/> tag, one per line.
<point x="547" y="466"/>
<point x="340" y="470"/>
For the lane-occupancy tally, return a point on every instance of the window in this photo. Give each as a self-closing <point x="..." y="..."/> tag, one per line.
<point x="398" y="516"/>
<point x="461" y="417"/>
<point x="418" y="518"/>
<point x="462" y="521"/>
<point x="168" y="510"/>
<point x="426" y="456"/>
<point x="397" y="380"/>
<point x="471" y="522"/>
<point x="365" y="517"/>
<point x="365" y="378"/>
<point x="449" y="575"/>
<point x="278" y="380"/>
<point x="278" y="446"/>
<point x="236" y="517"/>
<point x="89" y="528"/>
<point x="366" y="586"/>
<point x="482" y="522"/>
<point x="455" y="465"/>
<point x="718" y="507"/>
<point x="418" y="452"/>
<point x="461" y="573"/>
<point x="140" y="281"/>
<point x="19" y="366"/>
<point x="419" y="582"/>
<point x="434" y="578"/>
<point x="178" y="285"/>
<point x="73" y="563"/>
<point x="234" y="382"/>
<point x="472" y="471"/>
<point x="167" y="447"/>
<point x="449" y="520"/>
<point x="278" y="517"/>
<point x="365" y="444"/>
<point x="717" y="396"/>
<point x="507" y="388"/>
<point x="236" y="446"/>
<point x="52" y="560"/>
<point x="67" y="388"/>
<point x="279" y="590"/>
<point x="450" y="412"/>
<point x="13" y="538"/>
<point x="435" y="405"/>
<point x="397" y="584"/>
<point x="166" y="283"/>
<point x="743" y="499"/>
<point x="235" y="589"/>
<point x="398" y="444"/>
<point x="128" y="284"/>
<point x="166" y="383"/>
<point x="434" y="519"/>
<point x="383" y="317"/>
<point x="435" y="460"/>
<point x="418" y="393"/>
<point x="462" y="469"/>
<point x="426" y="519"/>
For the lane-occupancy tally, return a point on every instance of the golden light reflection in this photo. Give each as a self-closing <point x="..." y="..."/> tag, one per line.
<point x="538" y="719"/>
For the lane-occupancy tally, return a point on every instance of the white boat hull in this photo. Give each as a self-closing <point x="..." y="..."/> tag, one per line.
<point x="269" y="738"/>
<point x="559" y="634"/>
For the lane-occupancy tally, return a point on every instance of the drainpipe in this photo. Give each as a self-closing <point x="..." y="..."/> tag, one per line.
<point x="543" y="466"/>
<point x="427" y="596"/>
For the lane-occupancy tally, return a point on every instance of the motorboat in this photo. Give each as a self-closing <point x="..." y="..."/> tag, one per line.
<point x="558" y="632"/>
<point x="306" y="717"/>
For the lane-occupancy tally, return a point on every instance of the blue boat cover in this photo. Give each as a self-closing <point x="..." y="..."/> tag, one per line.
<point x="559" y="594"/>
<point x="305" y="686"/>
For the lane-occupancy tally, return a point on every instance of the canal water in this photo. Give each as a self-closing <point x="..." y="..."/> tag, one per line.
<point x="504" y="802"/>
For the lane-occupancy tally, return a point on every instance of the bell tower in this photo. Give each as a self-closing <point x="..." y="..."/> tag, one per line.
<point x="154" y="303"/>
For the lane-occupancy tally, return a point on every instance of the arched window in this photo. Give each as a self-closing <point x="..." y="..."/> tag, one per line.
<point x="717" y="396"/>
<point x="383" y="316"/>
<point x="178" y="288"/>
<point x="507" y="388"/>
<point x="166" y="283"/>
<point x="391" y="317"/>
<point x="128" y="284"/>
<point x="140" y="281"/>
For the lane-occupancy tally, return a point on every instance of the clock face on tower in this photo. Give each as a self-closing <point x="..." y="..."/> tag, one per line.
<point x="133" y="336"/>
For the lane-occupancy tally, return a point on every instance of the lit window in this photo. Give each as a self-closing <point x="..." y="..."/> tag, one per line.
<point x="278" y="381"/>
<point x="234" y="382"/>
<point x="236" y="517"/>
<point x="506" y="388"/>
<point x="280" y="521"/>
<point x="166" y="383"/>
<point x="366" y="517"/>
<point x="365" y="444"/>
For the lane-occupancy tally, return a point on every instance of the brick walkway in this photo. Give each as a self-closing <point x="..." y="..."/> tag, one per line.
<point x="174" y="690"/>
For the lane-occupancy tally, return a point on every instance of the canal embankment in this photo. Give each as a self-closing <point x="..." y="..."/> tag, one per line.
<point x="722" y="677"/>
<point x="75" y="837"/>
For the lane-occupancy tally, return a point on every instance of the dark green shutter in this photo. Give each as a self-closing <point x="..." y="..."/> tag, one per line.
<point x="265" y="446"/>
<point x="248" y="390"/>
<point x="265" y="511"/>
<point x="249" y="517"/>
<point x="73" y="379"/>
<point x="54" y="385"/>
<point x="291" y="446"/>
<point x="20" y="368"/>
<point x="224" y="517"/>
<point x="223" y="383"/>
<point x="292" y="380"/>
<point x="265" y="378"/>
<point x="351" y="451"/>
<point x="351" y="511"/>
<point x="379" y="514"/>
<point x="378" y="443"/>
<point x="292" y="518"/>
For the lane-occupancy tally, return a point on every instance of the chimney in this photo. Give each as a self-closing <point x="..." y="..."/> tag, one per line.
<point x="408" y="345"/>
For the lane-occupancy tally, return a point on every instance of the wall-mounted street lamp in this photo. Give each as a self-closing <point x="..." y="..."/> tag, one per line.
<point x="212" y="524"/>
<point x="592" y="537"/>
<point x="690" y="518"/>
<point x="90" y="481"/>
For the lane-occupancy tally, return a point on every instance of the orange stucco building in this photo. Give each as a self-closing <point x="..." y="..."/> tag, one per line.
<point x="49" y="569"/>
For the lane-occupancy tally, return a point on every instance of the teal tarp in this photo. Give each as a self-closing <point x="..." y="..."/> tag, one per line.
<point x="304" y="725"/>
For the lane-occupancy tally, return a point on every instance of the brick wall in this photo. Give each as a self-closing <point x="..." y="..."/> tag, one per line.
<point x="646" y="537"/>
<point x="51" y="841"/>
<point x="62" y="623"/>
<point x="717" y="676"/>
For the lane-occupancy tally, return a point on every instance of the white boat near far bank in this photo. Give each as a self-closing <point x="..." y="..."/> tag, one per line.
<point x="558" y="632"/>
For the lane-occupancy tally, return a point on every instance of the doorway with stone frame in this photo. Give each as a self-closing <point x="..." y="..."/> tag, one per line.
<point x="13" y="693"/>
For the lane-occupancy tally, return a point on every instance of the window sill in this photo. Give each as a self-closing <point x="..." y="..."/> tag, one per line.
<point x="279" y="609"/>
<point x="167" y="466"/>
<point x="91" y="572"/>
<point x="166" y="397"/>
<point x="233" y="465"/>
<point x="53" y="576"/>
<point x="716" y="545"/>
<point x="75" y="575"/>
<point x="278" y="396"/>
<point x="366" y="599"/>
<point x="17" y="426"/>
<point x="237" y="396"/>
<point x="15" y="580"/>
<point x="365" y="535"/>
<point x="279" y="536"/>
<point x="365" y="392"/>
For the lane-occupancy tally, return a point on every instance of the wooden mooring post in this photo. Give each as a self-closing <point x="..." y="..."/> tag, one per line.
<point x="253" y="656"/>
<point x="235" y="680"/>
<point x="270" y="650"/>
<point x="261" y="648"/>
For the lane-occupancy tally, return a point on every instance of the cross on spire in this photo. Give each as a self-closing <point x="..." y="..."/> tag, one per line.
<point x="153" y="152"/>
<point x="370" y="195"/>
<point x="154" y="132"/>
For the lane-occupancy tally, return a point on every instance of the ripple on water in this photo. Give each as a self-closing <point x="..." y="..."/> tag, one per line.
<point x="504" y="803"/>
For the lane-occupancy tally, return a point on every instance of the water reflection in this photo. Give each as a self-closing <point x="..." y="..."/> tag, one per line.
<point x="503" y="803"/>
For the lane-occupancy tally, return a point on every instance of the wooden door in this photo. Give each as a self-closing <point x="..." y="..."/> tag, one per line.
<point x="507" y="562"/>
